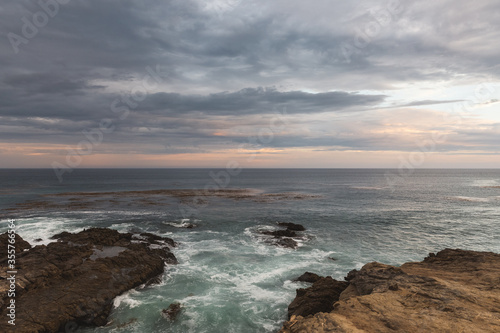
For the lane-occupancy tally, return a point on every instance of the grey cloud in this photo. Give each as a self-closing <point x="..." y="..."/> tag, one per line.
<point x="429" y="102"/>
<point x="491" y="101"/>
<point x="258" y="100"/>
<point x="47" y="83"/>
<point x="211" y="57"/>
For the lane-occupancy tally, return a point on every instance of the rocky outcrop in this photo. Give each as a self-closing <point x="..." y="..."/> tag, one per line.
<point x="74" y="280"/>
<point x="308" y="277"/>
<point x="19" y="244"/>
<point x="280" y="233"/>
<point x="172" y="311"/>
<point x="292" y="226"/>
<point x="318" y="298"/>
<point x="452" y="291"/>
<point x="284" y="237"/>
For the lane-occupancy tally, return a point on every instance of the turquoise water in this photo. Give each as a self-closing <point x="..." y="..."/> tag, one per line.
<point x="229" y="279"/>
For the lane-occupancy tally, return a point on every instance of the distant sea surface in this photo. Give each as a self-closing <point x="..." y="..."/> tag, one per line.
<point x="230" y="278"/>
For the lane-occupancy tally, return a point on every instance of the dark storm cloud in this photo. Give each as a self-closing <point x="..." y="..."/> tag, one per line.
<point x="254" y="38"/>
<point x="47" y="83"/>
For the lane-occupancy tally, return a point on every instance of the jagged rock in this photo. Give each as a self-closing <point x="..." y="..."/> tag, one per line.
<point x="308" y="277"/>
<point x="73" y="281"/>
<point x="19" y="245"/>
<point x="286" y="242"/>
<point x="172" y="311"/>
<point x="292" y="226"/>
<point x="451" y="291"/>
<point x="155" y="239"/>
<point x="283" y="237"/>
<point x="280" y="233"/>
<point x="317" y="298"/>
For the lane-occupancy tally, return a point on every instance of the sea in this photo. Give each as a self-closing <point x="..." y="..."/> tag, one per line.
<point x="231" y="278"/>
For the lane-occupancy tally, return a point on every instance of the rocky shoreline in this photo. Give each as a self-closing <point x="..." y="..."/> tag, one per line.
<point x="72" y="281"/>
<point x="448" y="292"/>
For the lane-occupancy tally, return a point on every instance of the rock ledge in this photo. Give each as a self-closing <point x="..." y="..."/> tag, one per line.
<point x="451" y="291"/>
<point x="74" y="280"/>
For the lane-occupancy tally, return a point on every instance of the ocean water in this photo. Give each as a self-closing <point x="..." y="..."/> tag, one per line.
<point x="230" y="279"/>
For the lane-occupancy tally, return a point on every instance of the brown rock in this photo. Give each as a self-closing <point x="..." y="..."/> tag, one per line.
<point x="317" y="298"/>
<point x="292" y="226"/>
<point x="452" y="291"/>
<point x="308" y="277"/>
<point x="172" y="311"/>
<point x="286" y="242"/>
<point x="280" y="233"/>
<point x="19" y="245"/>
<point x="155" y="239"/>
<point x="73" y="282"/>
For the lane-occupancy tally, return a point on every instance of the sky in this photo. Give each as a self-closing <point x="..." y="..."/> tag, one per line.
<point x="253" y="83"/>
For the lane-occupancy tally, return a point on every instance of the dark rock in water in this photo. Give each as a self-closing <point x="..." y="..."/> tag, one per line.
<point x="123" y="325"/>
<point x="73" y="281"/>
<point x="286" y="242"/>
<point x="154" y="280"/>
<point x="292" y="226"/>
<point x="283" y="237"/>
<point x="38" y="240"/>
<point x="332" y="258"/>
<point x="280" y="233"/>
<point x="172" y="311"/>
<point x="308" y="277"/>
<point x="155" y="239"/>
<point x="317" y="298"/>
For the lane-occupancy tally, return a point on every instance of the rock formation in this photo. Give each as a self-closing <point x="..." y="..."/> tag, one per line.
<point x="284" y="237"/>
<point x="73" y="281"/>
<point x="172" y="311"/>
<point x="452" y="291"/>
<point x="292" y="226"/>
<point x="19" y="245"/>
<point x="308" y="277"/>
<point x="318" y="298"/>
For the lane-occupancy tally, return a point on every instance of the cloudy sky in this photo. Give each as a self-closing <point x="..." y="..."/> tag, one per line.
<point x="192" y="83"/>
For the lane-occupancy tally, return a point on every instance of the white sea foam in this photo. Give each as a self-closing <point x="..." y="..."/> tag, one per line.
<point x="179" y="225"/>
<point x="38" y="230"/>
<point x="375" y="188"/>
<point x="470" y="199"/>
<point x="262" y="242"/>
<point x="122" y="227"/>
<point x="485" y="183"/>
<point x="127" y="299"/>
<point x="182" y="223"/>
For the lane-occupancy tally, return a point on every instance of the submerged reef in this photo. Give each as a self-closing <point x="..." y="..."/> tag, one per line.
<point x="78" y="201"/>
